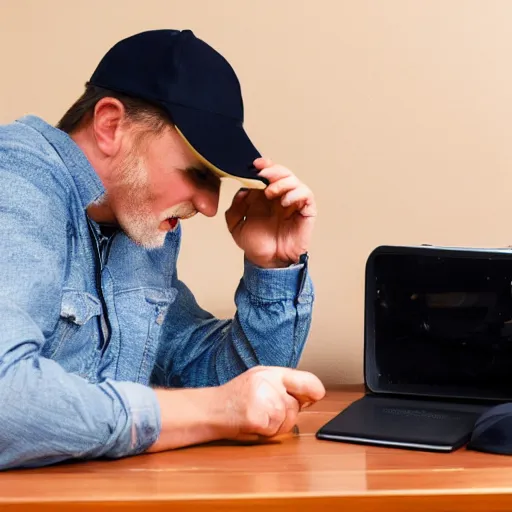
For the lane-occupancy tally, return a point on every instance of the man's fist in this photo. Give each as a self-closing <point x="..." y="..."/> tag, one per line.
<point x="261" y="402"/>
<point x="265" y="401"/>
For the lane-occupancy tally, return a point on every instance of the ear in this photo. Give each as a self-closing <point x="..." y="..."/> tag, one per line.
<point x="108" y="126"/>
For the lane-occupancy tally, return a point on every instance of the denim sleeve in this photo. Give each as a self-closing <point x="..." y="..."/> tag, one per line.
<point x="270" y="328"/>
<point x="47" y="414"/>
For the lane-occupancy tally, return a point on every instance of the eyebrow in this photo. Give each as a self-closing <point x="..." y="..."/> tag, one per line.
<point x="198" y="168"/>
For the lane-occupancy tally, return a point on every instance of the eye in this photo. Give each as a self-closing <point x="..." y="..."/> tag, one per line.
<point x="204" y="178"/>
<point x="202" y="174"/>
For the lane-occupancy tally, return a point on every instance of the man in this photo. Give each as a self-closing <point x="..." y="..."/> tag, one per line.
<point x="96" y="324"/>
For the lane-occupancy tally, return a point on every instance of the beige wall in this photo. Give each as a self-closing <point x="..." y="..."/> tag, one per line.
<point x="397" y="113"/>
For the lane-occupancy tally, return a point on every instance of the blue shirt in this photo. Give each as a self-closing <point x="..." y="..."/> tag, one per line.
<point x="91" y="323"/>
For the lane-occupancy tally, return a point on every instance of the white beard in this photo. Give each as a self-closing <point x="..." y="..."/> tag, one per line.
<point x="136" y="218"/>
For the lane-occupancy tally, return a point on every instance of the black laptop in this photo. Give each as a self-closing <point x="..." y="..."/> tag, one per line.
<point x="438" y="347"/>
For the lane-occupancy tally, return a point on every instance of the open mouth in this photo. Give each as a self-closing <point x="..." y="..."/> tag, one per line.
<point x="172" y="222"/>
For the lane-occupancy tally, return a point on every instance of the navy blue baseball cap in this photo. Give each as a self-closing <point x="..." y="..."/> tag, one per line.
<point x="198" y="89"/>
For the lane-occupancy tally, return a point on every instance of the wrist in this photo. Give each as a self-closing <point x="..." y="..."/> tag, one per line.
<point x="219" y="418"/>
<point x="191" y="416"/>
<point x="270" y="264"/>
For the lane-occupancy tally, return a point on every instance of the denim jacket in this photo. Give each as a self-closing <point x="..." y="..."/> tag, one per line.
<point x="91" y="323"/>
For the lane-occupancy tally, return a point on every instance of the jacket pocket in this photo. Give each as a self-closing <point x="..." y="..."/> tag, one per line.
<point x="78" y="324"/>
<point x="159" y="302"/>
<point x="140" y="313"/>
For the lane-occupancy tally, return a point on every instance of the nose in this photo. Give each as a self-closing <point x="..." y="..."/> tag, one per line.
<point x="206" y="201"/>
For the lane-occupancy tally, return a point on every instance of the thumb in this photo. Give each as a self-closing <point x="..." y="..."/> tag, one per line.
<point x="305" y="387"/>
<point x="237" y="211"/>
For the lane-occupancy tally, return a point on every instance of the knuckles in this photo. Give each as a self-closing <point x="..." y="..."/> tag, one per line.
<point x="264" y="406"/>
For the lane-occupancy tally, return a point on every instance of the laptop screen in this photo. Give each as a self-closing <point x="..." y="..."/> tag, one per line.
<point x="439" y="323"/>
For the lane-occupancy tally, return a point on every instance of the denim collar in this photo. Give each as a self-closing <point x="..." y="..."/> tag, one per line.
<point x="88" y="183"/>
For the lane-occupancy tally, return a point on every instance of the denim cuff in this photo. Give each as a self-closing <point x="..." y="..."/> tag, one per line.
<point x="275" y="284"/>
<point x="144" y="419"/>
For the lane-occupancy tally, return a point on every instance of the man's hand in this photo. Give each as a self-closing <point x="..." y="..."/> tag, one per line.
<point x="273" y="226"/>
<point x="263" y="401"/>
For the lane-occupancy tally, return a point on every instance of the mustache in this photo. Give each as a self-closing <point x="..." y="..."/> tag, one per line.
<point x="181" y="211"/>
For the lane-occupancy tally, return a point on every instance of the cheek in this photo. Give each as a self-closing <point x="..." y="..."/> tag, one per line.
<point x="169" y="190"/>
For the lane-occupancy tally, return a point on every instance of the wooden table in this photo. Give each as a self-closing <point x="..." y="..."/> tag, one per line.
<point x="300" y="473"/>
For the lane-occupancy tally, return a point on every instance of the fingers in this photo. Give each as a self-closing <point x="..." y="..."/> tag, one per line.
<point x="294" y="195"/>
<point x="304" y="386"/>
<point x="275" y="172"/>
<point x="279" y="187"/>
<point x="292" y="411"/>
<point x="237" y="211"/>
<point x="261" y="163"/>
<point x="303" y="198"/>
<point x="259" y="206"/>
<point x="267" y="413"/>
<point x="282" y="414"/>
<point x="277" y="416"/>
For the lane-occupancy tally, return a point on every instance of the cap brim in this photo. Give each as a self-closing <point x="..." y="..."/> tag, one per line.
<point x="219" y="143"/>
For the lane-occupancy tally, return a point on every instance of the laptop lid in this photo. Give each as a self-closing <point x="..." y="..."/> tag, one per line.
<point x="438" y="323"/>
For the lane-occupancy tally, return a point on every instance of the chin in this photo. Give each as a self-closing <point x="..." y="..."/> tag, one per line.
<point x="155" y="241"/>
<point x="147" y="238"/>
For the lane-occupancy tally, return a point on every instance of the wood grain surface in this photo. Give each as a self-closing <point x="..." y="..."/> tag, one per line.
<point x="294" y="473"/>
